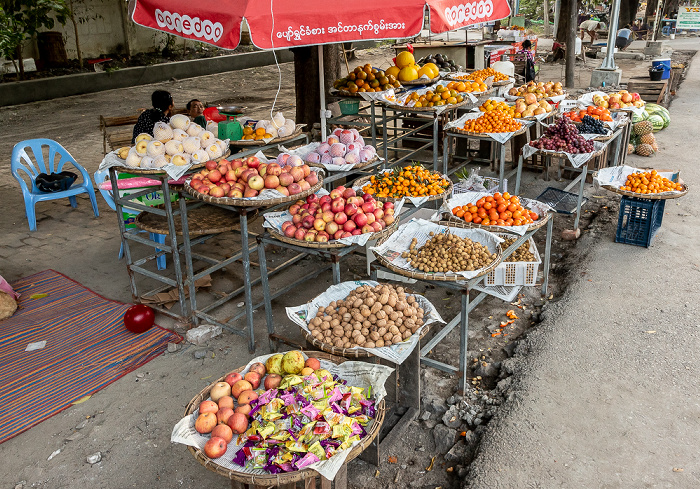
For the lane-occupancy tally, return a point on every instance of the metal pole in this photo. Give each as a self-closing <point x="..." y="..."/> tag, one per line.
<point x="609" y="61"/>
<point x="322" y="87"/>
<point x="546" y="18"/>
<point x="659" y="8"/>
<point x="557" y="13"/>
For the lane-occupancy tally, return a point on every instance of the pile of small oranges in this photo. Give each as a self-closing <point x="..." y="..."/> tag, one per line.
<point x="649" y="183"/>
<point x="504" y="107"/>
<point x="497" y="210"/>
<point x="492" y="121"/>
<point x="409" y="181"/>
<point x="250" y="133"/>
<point x="481" y="75"/>
<point x="441" y="96"/>
<point x="475" y="86"/>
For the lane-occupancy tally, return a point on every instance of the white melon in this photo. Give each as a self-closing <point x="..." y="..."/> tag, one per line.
<point x="213" y="127"/>
<point x="141" y="147"/>
<point x="223" y="145"/>
<point x="278" y="120"/>
<point x="283" y="132"/>
<point x="174" y="147"/>
<point x="207" y="138"/>
<point x="133" y="159"/>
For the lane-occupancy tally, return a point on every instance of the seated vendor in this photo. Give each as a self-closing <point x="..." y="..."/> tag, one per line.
<point x="162" y="109"/>
<point x="195" y="109"/>
<point x="624" y="38"/>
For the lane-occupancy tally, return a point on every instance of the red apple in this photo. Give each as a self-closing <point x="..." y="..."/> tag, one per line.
<point x="325" y="199"/>
<point x="349" y="226"/>
<point x="340" y="217"/>
<point x="243" y="409"/>
<point x="286" y="179"/>
<point x="225" y="401"/>
<point x="312" y="179"/>
<point x="215" y="447"/>
<point x="283" y="190"/>
<point x="331" y="228"/>
<point x="338" y="204"/>
<point x="296" y="219"/>
<point x="253" y="378"/>
<point x="388" y="205"/>
<point x="294" y="209"/>
<point x="370" y="218"/>
<point x="346" y="234"/>
<point x="253" y="162"/>
<point x="238" y="422"/>
<point x="307" y="170"/>
<point x="274" y="169"/>
<point x="294" y="188"/>
<point x="312" y="199"/>
<point x="249" y="193"/>
<point x="389" y="220"/>
<point x="338" y="234"/>
<point x="310" y="235"/>
<point x="240" y="386"/>
<point x="297" y="173"/>
<point x="377" y="226"/>
<point x="327" y="216"/>
<point x="272" y="381"/>
<point x="237" y="163"/>
<point x="367" y="228"/>
<point x="378" y="213"/>
<point x="290" y="231"/>
<point x="205" y="423"/>
<point x="300" y="233"/>
<point x="336" y="193"/>
<point x="356" y="232"/>
<point x="313" y="363"/>
<point x="214" y="176"/>
<point x="322" y="238"/>
<point x="350" y="209"/>
<point x="349" y="192"/>
<point x="258" y="368"/>
<point x="222" y="431"/>
<point x="210" y="165"/>
<point x="199" y="176"/>
<point x="208" y="407"/>
<point x="308" y="222"/>
<point x="360" y="219"/>
<point x="304" y="185"/>
<point x="223" y="414"/>
<point x="368" y="207"/>
<point x="271" y="181"/>
<point x="256" y="182"/>
<point x="319" y="224"/>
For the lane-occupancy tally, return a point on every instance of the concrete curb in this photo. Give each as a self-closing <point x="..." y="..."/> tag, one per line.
<point x="64" y="86"/>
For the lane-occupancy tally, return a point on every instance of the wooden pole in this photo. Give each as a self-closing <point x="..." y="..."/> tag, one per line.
<point x="571" y="43"/>
<point x="546" y="18"/>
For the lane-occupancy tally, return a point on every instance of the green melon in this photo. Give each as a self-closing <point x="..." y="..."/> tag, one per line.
<point x="641" y="117"/>
<point x="657" y="122"/>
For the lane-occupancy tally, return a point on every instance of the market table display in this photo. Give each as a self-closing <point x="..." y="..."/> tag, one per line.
<point x="286" y="417"/>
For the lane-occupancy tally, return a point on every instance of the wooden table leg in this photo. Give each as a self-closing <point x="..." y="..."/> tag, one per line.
<point x="341" y="478"/>
<point x="310" y="483"/>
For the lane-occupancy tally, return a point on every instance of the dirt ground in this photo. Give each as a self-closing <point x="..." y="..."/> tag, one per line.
<point x="130" y="421"/>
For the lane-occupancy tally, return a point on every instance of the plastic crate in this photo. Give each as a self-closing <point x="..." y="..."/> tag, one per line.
<point x="349" y="107"/>
<point x="511" y="274"/>
<point x="639" y="220"/>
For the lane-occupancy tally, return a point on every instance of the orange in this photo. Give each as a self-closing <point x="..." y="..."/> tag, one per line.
<point x="260" y="131"/>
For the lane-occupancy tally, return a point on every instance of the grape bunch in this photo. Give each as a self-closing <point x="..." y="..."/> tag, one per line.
<point x="589" y="125"/>
<point x="563" y="136"/>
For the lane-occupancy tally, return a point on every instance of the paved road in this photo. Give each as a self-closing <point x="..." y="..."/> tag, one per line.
<point x="608" y="395"/>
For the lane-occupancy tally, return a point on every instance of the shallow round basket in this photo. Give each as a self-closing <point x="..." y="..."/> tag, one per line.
<point x="355" y="167"/>
<point x="417" y="83"/>
<point x="361" y="181"/>
<point x="331" y="245"/>
<point x="404" y="108"/>
<point x="268" y="480"/>
<point x="481" y="134"/>
<point x="159" y="171"/>
<point x="455" y="220"/>
<point x="559" y="154"/>
<point x="253" y="202"/>
<point x="661" y="196"/>
<point x="440" y="276"/>
<point x="252" y="142"/>
<point x="626" y="109"/>
<point x="207" y="219"/>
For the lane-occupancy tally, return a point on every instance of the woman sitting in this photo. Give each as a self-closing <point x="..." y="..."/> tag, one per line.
<point x="162" y="109"/>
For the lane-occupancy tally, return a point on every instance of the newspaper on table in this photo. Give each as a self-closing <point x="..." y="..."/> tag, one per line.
<point x="416" y="201"/>
<point x="616" y="176"/>
<point x="471" y="197"/>
<point x="499" y="137"/>
<point x="358" y="374"/>
<point x="175" y="172"/>
<point x="587" y="98"/>
<point x="303" y="151"/>
<point x="385" y="96"/>
<point x="576" y="159"/>
<point x="302" y="315"/>
<point x="274" y="220"/>
<point x="420" y="229"/>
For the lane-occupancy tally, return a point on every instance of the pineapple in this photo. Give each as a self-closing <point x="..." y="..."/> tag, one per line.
<point x="643" y="127"/>
<point x="645" y="150"/>
<point x="649" y="139"/>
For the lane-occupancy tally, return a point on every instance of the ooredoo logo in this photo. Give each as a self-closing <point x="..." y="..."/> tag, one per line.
<point x="211" y="31"/>
<point x="469" y="12"/>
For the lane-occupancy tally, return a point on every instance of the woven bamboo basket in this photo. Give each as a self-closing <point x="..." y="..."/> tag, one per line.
<point x="404" y="108"/>
<point x="361" y="181"/>
<point x="252" y="142"/>
<point x="440" y="276"/>
<point x="355" y="167"/>
<point x="159" y="171"/>
<point x="252" y="202"/>
<point x="417" y="83"/>
<point x="286" y="477"/>
<point x="661" y="196"/>
<point x="207" y="219"/>
<point x="331" y="245"/>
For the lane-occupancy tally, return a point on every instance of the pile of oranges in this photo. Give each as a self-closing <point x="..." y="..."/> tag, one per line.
<point x="475" y="86"/>
<point x="598" y="113"/>
<point x="649" y="183"/>
<point x="492" y="121"/>
<point x="481" y="75"/>
<point x="441" y="96"/>
<point x="504" y="107"/>
<point x="250" y="133"/>
<point x="409" y="181"/>
<point x="367" y="79"/>
<point x="497" y="210"/>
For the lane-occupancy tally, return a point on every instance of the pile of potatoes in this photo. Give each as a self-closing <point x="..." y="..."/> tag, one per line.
<point x="370" y="317"/>
<point x="523" y="252"/>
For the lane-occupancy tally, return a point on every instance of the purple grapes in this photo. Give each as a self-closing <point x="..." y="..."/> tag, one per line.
<point x="563" y="136"/>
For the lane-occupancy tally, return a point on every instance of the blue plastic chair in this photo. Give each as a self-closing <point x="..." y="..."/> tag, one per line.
<point x="103" y="175"/>
<point x="58" y="156"/>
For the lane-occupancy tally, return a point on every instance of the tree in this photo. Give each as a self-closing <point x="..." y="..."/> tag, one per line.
<point x="306" y="76"/>
<point x="22" y="20"/>
<point x="628" y="11"/>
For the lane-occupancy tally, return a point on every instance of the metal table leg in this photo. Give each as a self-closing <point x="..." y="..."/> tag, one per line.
<point x="247" y="279"/>
<point x="187" y="248"/>
<point x="445" y="152"/>
<point x="501" y="148"/>
<point x="463" y="337"/>
<point x="122" y="233"/>
<point x="547" y="254"/>
<point x="173" y="243"/>
<point x="266" y="295"/>
<point x="436" y="148"/>
<point x="584" y="172"/>
<point x="519" y="175"/>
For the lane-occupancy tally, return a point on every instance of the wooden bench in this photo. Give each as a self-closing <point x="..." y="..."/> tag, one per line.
<point x="118" y="131"/>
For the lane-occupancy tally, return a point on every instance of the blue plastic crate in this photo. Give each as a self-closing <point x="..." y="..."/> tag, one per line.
<point x="639" y="221"/>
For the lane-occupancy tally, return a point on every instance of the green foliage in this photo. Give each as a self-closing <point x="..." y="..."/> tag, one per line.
<point x="22" y="19"/>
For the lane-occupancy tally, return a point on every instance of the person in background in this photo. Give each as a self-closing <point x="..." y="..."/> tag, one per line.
<point x="589" y="27"/>
<point x="624" y="38"/>
<point x="195" y="110"/>
<point x="162" y="109"/>
<point x="529" y="60"/>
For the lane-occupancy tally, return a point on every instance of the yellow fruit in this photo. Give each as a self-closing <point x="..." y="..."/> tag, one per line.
<point x="427" y="71"/>
<point x="409" y="73"/>
<point x="393" y="71"/>
<point x="405" y="59"/>
<point x="433" y="67"/>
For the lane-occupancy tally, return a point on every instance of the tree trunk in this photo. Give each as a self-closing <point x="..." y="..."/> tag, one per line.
<point x="77" y="37"/>
<point x="20" y="61"/>
<point x="563" y="27"/>
<point x="628" y="11"/>
<point x="546" y="18"/>
<point x="306" y="80"/>
<point x="572" y="14"/>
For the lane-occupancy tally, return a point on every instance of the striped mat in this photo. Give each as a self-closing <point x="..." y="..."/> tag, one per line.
<point x="87" y="348"/>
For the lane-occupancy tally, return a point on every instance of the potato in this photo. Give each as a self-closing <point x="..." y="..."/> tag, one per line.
<point x="369" y="344"/>
<point x="379" y="343"/>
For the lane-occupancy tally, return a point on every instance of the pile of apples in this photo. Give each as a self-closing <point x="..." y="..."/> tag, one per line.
<point x="341" y="214"/>
<point x="227" y="411"/>
<point x="619" y="100"/>
<point x="540" y="90"/>
<point x="247" y="177"/>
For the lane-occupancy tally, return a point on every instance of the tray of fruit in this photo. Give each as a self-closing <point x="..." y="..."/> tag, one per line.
<point x="531" y="109"/>
<point x="562" y="139"/>
<point x="173" y="146"/>
<point x="248" y="182"/>
<point x="641" y="184"/>
<point x="343" y="150"/>
<point x="594" y="129"/>
<point x="415" y="183"/>
<point x="263" y="138"/>
<point x="271" y="422"/>
<point x="615" y="102"/>
<point x="334" y="221"/>
<point x="365" y="79"/>
<point x="481" y="209"/>
<point x="444" y="251"/>
<point x="354" y="320"/>
<point x="494" y="123"/>
<point x="550" y="91"/>
<point x="542" y="111"/>
<point x="440" y="96"/>
<point x="480" y="76"/>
